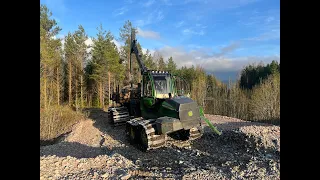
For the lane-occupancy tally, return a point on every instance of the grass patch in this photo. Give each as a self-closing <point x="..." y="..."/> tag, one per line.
<point x="57" y="120"/>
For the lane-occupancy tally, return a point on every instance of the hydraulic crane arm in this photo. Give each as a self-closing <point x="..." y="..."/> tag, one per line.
<point x="134" y="49"/>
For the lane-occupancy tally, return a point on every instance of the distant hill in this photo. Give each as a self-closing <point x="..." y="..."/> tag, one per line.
<point x="225" y="76"/>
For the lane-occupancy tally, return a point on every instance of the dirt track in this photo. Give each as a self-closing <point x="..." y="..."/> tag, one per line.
<point x="95" y="150"/>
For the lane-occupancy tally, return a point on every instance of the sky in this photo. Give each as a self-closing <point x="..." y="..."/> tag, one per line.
<point x="218" y="35"/>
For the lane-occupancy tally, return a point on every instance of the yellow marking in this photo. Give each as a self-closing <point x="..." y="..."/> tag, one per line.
<point x="190" y="113"/>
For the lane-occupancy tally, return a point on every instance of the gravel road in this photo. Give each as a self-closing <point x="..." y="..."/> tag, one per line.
<point x="95" y="150"/>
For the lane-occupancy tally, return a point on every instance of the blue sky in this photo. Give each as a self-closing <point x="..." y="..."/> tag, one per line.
<point x="219" y="35"/>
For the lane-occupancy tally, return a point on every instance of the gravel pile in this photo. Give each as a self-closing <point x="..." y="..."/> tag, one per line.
<point x="100" y="167"/>
<point x="95" y="150"/>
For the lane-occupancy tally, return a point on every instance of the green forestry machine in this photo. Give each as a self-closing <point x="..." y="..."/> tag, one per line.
<point x="156" y="108"/>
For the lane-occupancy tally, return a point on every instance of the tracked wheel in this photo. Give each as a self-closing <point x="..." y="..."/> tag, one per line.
<point x="149" y="140"/>
<point x="143" y="145"/>
<point x="131" y="135"/>
<point x="118" y="115"/>
<point x="195" y="133"/>
<point x="144" y="134"/>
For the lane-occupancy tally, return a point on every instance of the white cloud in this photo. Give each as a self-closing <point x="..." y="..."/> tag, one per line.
<point x="189" y="31"/>
<point x="144" y="51"/>
<point x="148" y="3"/>
<point x="151" y="18"/>
<point x="160" y="16"/>
<point x="120" y="11"/>
<point x="148" y="34"/>
<point x="211" y="62"/>
<point x="226" y="4"/>
<point x="89" y="43"/>
<point x="196" y="29"/>
<point x="271" y="35"/>
<point x="269" y="19"/>
<point x="141" y="22"/>
<point x="227" y="49"/>
<point x="194" y="46"/>
<point x="62" y="43"/>
<point x="179" y="24"/>
<point x="117" y="43"/>
<point x="266" y="24"/>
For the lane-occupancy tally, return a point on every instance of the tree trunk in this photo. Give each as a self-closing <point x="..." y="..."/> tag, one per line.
<point x="109" y="76"/>
<point x="58" y="87"/>
<point x="89" y="100"/>
<point x="76" y="86"/>
<point x="100" y="94"/>
<point x="45" y="91"/>
<point x="81" y="84"/>
<point x="70" y="80"/>
<point x="103" y="94"/>
<point x="114" y="84"/>
<point x="45" y="86"/>
<point x="114" y="88"/>
<point x="81" y="89"/>
<point x="51" y="93"/>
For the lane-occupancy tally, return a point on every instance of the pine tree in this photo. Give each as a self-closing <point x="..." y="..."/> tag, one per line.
<point x="99" y="63"/>
<point x="115" y="69"/>
<point x="149" y="63"/>
<point x="171" y="65"/>
<point x="70" y="57"/>
<point x="81" y="55"/>
<point x="50" y="59"/>
<point x="125" y="36"/>
<point x="162" y="66"/>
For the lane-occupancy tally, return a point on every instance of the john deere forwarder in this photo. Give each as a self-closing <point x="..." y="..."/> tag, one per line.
<point x="155" y="108"/>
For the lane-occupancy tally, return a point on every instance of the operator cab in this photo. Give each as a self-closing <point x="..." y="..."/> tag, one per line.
<point x="157" y="84"/>
<point x="162" y="85"/>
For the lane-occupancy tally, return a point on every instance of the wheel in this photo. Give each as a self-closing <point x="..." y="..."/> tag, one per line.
<point x="131" y="135"/>
<point x="195" y="133"/>
<point x="143" y="140"/>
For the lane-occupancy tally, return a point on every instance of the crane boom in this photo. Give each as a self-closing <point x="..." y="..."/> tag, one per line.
<point x="134" y="49"/>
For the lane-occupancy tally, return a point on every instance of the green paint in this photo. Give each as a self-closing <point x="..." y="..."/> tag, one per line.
<point x="168" y="106"/>
<point x="148" y="101"/>
<point x="152" y="84"/>
<point x="213" y="128"/>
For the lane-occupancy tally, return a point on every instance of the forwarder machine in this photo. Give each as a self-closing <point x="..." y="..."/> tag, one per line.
<point x="155" y="108"/>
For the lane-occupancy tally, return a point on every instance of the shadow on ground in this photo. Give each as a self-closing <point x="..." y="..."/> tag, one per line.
<point x="207" y="153"/>
<point x="73" y="149"/>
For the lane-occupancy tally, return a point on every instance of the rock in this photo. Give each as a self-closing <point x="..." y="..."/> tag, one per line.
<point x="57" y="163"/>
<point x="138" y="162"/>
<point x="95" y="175"/>
<point x="210" y="157"/>
<point x="105" y="175"/>
<point x="154" y="168"/>
<point x="125" y="177"/>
